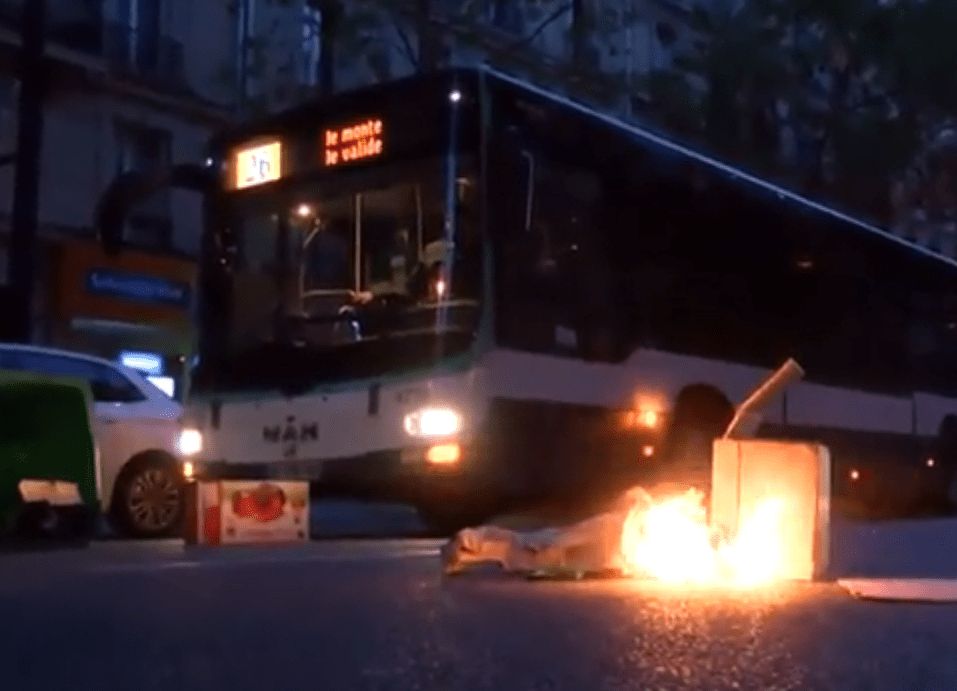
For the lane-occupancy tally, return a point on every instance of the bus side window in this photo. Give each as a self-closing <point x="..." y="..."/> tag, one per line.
<point x="932" y="348"/>
<point x="557" y="287"/>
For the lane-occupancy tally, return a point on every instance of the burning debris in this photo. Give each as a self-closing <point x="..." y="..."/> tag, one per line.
<point x="668" y="540"/>
<point x="671" y="541"/>
<point x="744" y="541"/>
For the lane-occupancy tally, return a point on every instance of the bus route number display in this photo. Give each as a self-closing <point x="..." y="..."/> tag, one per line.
<point x="353" y="142"/>
<point x="258" y="165"/>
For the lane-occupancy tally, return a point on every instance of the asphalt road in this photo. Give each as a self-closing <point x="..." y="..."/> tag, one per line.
<point x="377" y="615"/>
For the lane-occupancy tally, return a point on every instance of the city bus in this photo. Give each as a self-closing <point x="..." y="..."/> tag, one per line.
<point x="462" y="291"/>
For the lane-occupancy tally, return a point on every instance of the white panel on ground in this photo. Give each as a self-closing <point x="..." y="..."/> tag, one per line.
<point x="903" y="589"/>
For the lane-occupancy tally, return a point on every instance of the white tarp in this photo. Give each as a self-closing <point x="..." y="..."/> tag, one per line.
<point x="592" y="545"/>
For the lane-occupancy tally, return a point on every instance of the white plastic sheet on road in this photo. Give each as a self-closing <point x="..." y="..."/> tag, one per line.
<point x="902" y="589"/>
<point x="590" y="546"/>
<point x="667" y="539"/>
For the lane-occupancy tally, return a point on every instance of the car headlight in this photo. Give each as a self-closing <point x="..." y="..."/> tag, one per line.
<point x="433" y="422"/>
<point x="190" y="442"/>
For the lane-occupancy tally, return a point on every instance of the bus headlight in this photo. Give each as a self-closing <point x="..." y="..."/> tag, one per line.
<point x="433" y="422"/>
<point x="190" y="442"/>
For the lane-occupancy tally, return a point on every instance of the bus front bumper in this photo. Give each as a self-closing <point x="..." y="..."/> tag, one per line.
<point x="403" y="474"/>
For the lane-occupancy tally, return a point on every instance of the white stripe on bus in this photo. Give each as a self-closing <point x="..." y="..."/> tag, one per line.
<point x="659" y="376"/>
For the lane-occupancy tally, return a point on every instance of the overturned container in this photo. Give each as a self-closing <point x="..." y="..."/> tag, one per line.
<point x="747" y="472"/>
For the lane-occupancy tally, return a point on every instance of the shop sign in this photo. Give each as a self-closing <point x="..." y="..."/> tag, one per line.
<point x="140" y="288"/>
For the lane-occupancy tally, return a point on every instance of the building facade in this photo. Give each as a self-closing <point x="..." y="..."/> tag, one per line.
<point x="136" y="84"/>
<point x="131" y="84"/>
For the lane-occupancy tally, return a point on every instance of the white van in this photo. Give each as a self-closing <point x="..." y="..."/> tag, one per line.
<point x="140" y="476"/>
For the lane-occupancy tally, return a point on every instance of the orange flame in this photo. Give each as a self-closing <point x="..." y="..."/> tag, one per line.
<point x="670" y="541"/>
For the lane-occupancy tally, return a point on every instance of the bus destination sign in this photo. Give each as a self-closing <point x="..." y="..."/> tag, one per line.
<point x="257" y="165"/>
<point x="354" y="142"/>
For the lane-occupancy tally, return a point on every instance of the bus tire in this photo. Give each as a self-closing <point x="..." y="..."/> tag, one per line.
<point x="701" y="415"/>
<point x="149" y="498"/>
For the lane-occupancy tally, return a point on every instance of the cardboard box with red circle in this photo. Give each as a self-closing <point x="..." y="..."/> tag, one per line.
<point x="247" y="511"/>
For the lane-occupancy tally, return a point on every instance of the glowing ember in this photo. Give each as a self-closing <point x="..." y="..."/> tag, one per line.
<point x="671" y="542"/>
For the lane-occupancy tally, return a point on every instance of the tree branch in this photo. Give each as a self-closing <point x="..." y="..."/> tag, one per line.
<point x="553" y="17"/>
<point x="406" y="44"/>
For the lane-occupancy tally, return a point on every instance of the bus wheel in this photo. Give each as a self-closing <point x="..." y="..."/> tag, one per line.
<point x="701" y="415"/>
<point x="149" y="498"/>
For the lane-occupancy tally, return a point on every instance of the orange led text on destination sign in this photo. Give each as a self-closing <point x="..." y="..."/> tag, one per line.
<point x="353" y="142"/>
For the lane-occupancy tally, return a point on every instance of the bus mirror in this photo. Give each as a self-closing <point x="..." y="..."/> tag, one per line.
<point x="113" y="206"/>
<point x="134" y="187"/>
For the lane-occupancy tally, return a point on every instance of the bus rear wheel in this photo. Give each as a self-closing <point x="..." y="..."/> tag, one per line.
<point x="699" y="420"/>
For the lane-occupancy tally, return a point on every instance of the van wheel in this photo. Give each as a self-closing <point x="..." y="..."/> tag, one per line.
<point x="149" y="499"/>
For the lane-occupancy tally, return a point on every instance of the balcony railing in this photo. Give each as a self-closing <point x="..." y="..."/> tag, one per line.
<point x="82" y="31"/>
<point x="144" y="54"/>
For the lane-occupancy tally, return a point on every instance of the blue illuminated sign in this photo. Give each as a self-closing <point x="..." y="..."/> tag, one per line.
<point x="138" y="288"/>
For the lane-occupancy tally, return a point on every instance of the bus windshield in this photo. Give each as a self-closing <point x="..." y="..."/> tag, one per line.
<point x="353" y="276"/>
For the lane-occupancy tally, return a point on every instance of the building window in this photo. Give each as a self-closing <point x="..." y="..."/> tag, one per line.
<point x="140" y="148"/>
<point x="245" y="31"/>
<point x="141" y="22"/>
<point x="557" y="278"/>
<point x="311" y="45"/>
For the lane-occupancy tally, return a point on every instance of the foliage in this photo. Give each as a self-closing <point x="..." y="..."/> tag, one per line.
<point x="389" y="38"/>
<point x="840" y="97"/>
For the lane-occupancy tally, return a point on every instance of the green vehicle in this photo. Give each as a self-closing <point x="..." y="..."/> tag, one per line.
<point x="48" y="468"/>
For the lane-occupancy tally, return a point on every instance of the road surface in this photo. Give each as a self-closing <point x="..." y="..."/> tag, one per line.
<point x="377" y="615"/>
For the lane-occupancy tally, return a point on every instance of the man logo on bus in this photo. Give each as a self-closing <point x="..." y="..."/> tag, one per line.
<point x="291" y="432"/>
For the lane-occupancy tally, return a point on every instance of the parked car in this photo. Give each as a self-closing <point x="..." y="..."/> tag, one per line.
<point x="137" y="433"/>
